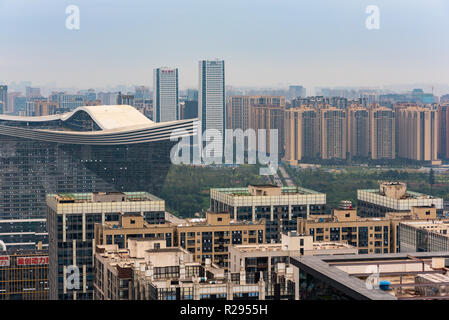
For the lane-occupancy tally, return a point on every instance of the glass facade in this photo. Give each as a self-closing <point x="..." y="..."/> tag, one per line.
<point x="30" y="169"/>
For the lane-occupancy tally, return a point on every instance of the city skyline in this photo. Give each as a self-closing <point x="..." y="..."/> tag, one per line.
<point x="304" y="49"/>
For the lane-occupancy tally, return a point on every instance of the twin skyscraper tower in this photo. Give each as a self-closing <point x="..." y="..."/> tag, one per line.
<point x="211" y="95"/>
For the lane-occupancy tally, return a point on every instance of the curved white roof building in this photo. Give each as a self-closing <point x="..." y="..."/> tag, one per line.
<point x="95" y="125"/>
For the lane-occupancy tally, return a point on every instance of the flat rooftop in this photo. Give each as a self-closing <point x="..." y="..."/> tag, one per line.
<point x="413" y="276"/>
<point x="92" y="197"/>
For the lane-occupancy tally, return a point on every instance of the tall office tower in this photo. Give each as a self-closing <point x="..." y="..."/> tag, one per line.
<point x="211" y="100"/>
<point x="3" y="99"/>
<point x="71" y="222"/>
<point x="443" y="130"/>
<point x="32" y="92"/>
<point x="301" y="134"/>
<point x="239" y="108"/>
<point x="270" y="118"/>
<point x="358" y="132"/>
<point x="296" y="91"/>
<point x="417" y="133"/>
<point x="165" y="95"/>
<point x="125" y="99"/>
<point x="94" y="148"/>
<point x="333" y="133"/>
<point x="382" y="133"/>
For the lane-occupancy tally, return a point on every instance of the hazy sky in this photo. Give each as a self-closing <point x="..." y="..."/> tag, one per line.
<point x="264" y="42"/>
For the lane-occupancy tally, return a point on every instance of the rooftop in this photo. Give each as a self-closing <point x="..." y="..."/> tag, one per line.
<point x="93" y="197"/>
<point x="422" y="275"/>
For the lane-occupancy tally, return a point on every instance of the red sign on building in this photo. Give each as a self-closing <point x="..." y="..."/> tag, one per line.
<point x="4" y="261"/>
<point x="32" y="261"/>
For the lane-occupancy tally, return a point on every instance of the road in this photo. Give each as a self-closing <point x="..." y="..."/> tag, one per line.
<point x="286" y="177"/>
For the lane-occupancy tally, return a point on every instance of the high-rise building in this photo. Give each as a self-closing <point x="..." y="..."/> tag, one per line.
<point x="296" y="92"/>
<point x="71" y="221"/>
<point x="443" y="131"/>
<point x="269" y="118"/>
<point x="358" y="132"/>
<point x="417" y="133"/>
<point x="211" y="99"/>
<point x="91" y="149"/>
<point x="301" y="134"/>
<point x="382" y="133"/>
<point x="165" y="95"/>
<point x="3" y="99"/>
<point x="239" y="109"/>
<point x="333" y="133"/>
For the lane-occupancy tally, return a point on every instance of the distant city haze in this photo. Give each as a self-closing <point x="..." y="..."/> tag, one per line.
<point x="264" y="43"/>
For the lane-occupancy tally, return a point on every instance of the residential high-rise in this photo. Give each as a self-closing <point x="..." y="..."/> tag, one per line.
<point x="71" y="221"/>
<point x="3" y="99"/>
<point x="94" y="148"/>
<point x="239" y="109"/>
<point x="333" y="133"/>
<point x="417" y="133"/>
<point x="301" y="134"/>
<point x="269" y="118"/>
<point x="443" y="131"/>
<point x="382" y="133"/>
<point x="211" y="99"/>
<point x="358" y="132"/>
<point x="165" y="95"/>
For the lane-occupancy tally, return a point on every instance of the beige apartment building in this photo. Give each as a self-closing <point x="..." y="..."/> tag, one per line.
<point x="131" y="226"/>
<point x="417" y="130"/>
<point x="147" y="270"/>
<point x="369" y="235"/>
<point x="210" y="238"/>
<point x="239" y="109"/>
<point x="269" y="118"/>
<point x="358" y="131"/>
<point x="382" y="133"/>
<point x="301" y="134"/>
<point x="333" y="133"/>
